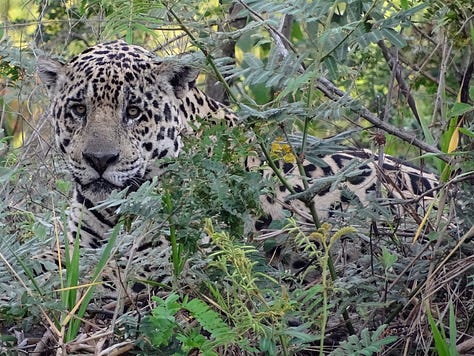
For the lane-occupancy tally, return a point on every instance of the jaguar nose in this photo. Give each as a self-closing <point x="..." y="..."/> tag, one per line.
<point x="100" y="160"/>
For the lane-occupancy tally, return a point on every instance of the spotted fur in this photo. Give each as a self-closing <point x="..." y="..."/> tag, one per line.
<point x="404" y="187"/>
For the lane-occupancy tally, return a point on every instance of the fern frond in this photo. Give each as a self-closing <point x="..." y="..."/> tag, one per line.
<point x="369" y="343"/>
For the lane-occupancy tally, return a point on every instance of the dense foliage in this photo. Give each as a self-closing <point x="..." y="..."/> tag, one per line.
<point x="389" y="76"/>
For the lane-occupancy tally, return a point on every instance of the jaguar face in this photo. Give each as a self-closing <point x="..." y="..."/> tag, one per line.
<point x="115" y="108"/>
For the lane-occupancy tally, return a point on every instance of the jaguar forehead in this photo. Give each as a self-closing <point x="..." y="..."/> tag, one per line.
<point x="103" y="84"/>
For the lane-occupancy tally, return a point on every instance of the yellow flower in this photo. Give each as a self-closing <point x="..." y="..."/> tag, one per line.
<point x="282" y="150"/>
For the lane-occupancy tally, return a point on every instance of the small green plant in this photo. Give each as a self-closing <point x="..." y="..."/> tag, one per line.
<point x="64" y="318"/>
<point x="322" y="254"/>
<point x="177" y="252"/>
<point x="368" y="343"/>
<point x="443" y="345"/>
<point x="76" y="304"/>
<point x="164" y="327"/>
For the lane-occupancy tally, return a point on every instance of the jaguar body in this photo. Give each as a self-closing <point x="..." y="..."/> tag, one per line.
<point x="118" y="109"/>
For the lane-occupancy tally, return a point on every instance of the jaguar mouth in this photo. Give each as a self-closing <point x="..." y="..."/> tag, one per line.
<point x="103" y="187"/>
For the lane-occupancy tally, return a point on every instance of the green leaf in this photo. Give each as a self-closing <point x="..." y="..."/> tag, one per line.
<point x="471" y="88"/>
<point x="210" y="321"/>
<point x="63" y="186"/>
<point x="331" y="66"/>
<point x="370" y="37"/>
<point x="440" y="340"/>
<point x="466" y="132"/>
<point x="459" y="109"/>
<point x="387" y="258"/>
<point x="426" y="132"/>
<point x="452" y="331"/>
<point x="301" y="336"/>
<point x="104" y="259"/>
<point x="267" y="345"/>
<point x="369" y="343"/>
<point x="394" y="37"/>
<point x="162" y="326"/>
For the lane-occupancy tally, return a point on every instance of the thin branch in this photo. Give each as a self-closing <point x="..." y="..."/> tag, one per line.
<point x="282" y="43"/>
<point x="439" y="106"/>
<point x="332" y="92"/>
<point x="419" y="69"/>
<point x="393" y="63"/>
<point x="169" y="42"/>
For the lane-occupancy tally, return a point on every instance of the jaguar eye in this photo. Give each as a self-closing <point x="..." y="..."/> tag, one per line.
<point x="133" y="112"/>
<point x="79" y="109"/>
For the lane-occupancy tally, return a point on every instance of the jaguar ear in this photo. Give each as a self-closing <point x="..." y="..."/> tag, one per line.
<point x="49" y="71"/>
<point x="182" y="77"/>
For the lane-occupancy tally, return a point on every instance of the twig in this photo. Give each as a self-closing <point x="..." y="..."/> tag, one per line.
<point x="167" y="43"/>
<point x="419" y="69"/>
<point x="332" y="92"/>
<point x="422" y="285"/>
<point x="439" y="107"/>
<point x="393" y="63"/>
<point x="282" y="43"/>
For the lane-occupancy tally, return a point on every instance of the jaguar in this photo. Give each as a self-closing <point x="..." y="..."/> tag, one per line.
<point x="118" y="109"/>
